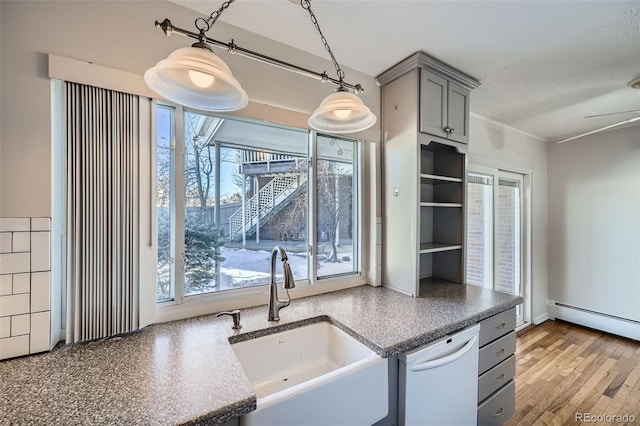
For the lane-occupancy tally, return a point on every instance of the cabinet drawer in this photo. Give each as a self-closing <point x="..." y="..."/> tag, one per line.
<point x="496" y="377"/>
<point x="496" y="352"/>
<point x="497" y="325"/>
<point x="497" y="409"/>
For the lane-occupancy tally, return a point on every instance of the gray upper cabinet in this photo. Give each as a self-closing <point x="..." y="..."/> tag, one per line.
<point x="444" y="107"/>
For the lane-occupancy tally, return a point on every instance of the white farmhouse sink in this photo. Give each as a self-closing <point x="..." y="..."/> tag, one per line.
<point x="313" y="375"/>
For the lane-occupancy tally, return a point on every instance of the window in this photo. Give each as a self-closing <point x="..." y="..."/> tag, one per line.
<point x="480" y="230"/>
<point x="229" y="190"/>
<point x="495" y="230"/>
<point x="335" y="192"/>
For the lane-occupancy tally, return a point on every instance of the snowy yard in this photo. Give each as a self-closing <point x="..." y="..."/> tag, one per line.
<point x="248" y="268"/>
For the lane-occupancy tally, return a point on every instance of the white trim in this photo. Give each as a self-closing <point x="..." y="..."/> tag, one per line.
<point x="540" y="319"/>
<point x="147" y="214"/>
<point x="603" y="322"/>
<point x="312" y="200"/>
<point x="507" y="127"/>
<point x="88" y="73"/>
<point x="245" y="298"/>
<point x="527" y="245"/>
<point x="58" y="216"/>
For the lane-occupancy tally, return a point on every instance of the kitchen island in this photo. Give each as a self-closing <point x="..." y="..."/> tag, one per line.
<point x="185" y="372"/>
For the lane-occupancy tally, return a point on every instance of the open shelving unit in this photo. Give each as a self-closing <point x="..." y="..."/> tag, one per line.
<point x="424" y="173"/>
<point x="441" y="218"/>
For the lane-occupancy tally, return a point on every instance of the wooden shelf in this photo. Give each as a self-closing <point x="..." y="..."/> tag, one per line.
<point x="430" y="204"/>
<point x="436" y="247"/>
<point x="435" y="179"/>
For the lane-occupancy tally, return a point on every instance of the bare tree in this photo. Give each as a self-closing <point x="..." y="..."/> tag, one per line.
<point x="334" y="201"/>
<point x="200" y="165"/>
<point x="202" y="240"/>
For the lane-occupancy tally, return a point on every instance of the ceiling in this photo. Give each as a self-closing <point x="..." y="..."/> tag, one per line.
<point x="544" y="65"/>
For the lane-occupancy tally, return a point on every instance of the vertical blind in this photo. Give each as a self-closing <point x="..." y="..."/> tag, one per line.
<point x="102" y="212"/>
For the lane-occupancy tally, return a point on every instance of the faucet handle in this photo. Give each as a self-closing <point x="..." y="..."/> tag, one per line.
<point x="236" y="318"/>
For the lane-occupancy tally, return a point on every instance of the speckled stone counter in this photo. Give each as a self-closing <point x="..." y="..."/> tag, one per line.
<point x="186" y="372"/>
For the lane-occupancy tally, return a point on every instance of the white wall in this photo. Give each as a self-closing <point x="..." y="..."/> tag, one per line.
<point x="499" y="146"/>
<point x="119" y="35"/>
<point x="594" y="223"/>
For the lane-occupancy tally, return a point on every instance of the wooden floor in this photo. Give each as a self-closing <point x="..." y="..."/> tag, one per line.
<point x="563" y="370"/>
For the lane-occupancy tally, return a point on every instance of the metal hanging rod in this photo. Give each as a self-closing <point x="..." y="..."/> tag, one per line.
<point x="168" y="28"/>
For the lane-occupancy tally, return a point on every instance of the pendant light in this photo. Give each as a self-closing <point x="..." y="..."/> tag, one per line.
<point x="195" y="77"/>
<point x="341" y="111"/>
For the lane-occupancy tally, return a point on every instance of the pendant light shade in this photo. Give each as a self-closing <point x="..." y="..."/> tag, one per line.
<point x="342" y="112"/>
<point x="196" y="77"/>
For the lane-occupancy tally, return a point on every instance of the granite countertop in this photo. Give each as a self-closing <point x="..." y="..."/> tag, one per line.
<point x="186" y="372"/>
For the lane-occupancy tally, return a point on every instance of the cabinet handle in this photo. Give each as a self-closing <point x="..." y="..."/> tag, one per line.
<point x="500" y="352"/>
<point x="501" y="326"/>
<point x="427" y="365"/>
<point x="499" y="378"/>
<point x="499" y="412"/>
<point x="448" y="130"/>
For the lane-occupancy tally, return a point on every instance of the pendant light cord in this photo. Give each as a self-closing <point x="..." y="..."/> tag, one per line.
<point x="205" y="25"/>
<point x="306" y="4"/>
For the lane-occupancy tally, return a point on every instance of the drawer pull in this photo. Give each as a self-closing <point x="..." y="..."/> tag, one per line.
<point x="499" y="378"/>
<point x="499" y="412"/>
<point x="500" y="352"/>
<point x="501" y="326"/>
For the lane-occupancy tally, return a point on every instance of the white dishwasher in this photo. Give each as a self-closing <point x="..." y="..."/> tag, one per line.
<point x="438" y="383"/>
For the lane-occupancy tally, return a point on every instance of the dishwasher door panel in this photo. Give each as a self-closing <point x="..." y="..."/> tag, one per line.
<point x="439" y="382"/>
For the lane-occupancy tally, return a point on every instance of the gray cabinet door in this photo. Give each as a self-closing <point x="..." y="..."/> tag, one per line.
<point x="458" y="113"/>
<point x="433" y="104"/>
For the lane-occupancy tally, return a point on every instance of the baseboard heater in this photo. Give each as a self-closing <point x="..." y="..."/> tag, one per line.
<point x="604" y="322"/>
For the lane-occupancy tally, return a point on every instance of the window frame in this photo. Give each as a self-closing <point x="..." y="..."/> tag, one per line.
<point x="497" y="171"/>
<point x="358" y="214"/>
<point x="183" y="306"/>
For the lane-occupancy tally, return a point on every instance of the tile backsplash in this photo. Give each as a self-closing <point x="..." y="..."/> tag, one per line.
<point x="25" y="286"/>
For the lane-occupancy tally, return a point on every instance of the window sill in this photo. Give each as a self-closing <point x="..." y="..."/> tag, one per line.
<point x="244" y="298"/>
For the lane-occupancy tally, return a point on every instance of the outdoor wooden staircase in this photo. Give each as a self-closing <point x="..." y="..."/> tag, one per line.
<point x="268" y="201"/>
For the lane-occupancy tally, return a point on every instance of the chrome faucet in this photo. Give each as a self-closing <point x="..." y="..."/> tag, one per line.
<point x="275" y="304"/>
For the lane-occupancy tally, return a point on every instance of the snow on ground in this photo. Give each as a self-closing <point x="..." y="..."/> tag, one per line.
<point x="248" y="268"/>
